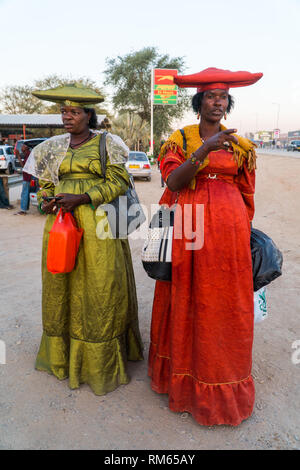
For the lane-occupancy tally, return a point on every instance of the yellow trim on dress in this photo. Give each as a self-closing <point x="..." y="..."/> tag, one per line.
<point x="200" y="381"/>
<point x="244" y="150"/>
<point x="221" y="383"/>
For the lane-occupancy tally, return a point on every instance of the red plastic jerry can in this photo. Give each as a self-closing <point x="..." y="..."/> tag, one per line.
<point x="63" y="244"/>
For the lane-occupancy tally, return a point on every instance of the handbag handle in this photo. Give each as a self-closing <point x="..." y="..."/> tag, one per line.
<point x="102" y="152"/>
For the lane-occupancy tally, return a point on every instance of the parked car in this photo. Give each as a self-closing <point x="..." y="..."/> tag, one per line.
<point x="7" y="159"/>
<point x="31" y="143"/>
<point x="138" y="165"/>
<point x="294" y="145"/>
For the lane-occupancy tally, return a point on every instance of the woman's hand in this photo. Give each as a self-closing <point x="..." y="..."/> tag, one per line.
<point x="221" y="140"/>
<point x="68" y="202"/>
<point x="49" y="207"/>
<point x="182" y="175"/>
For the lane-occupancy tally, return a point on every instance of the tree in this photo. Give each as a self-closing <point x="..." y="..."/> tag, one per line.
<point x="130" y="76"/>
<point x="132" y="129"/>
<point x="19" y="100"/>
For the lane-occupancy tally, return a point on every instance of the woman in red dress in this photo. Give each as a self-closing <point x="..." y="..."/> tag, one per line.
<point x="202" y="321"/>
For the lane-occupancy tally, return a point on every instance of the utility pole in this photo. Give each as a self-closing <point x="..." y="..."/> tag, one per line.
<point x="278" y="109"/>
<point x="152" y="93"/>
<point x="277" y="123"/>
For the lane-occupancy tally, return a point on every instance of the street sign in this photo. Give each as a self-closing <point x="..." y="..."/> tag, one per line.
<point x="165" y="90"/>
<point x="276" y="133"/>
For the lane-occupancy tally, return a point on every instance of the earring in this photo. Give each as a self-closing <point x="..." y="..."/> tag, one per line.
<point x="198" y="115"/>
<point x="225" y="116"/>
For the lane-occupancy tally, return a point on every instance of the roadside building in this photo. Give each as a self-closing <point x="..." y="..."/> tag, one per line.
<point x="14" y="127"/>
<point x="21" y="126"/>
<point x="274" y="137"/>
<point x="294" y="135"/>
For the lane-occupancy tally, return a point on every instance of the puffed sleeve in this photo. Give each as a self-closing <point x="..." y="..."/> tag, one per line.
<point x="116" y="178"/>
<point x="116" y="184"/>
<point x="45" y="187"/>
<point x="170" y="162"/>
<point x="245" y="181"/>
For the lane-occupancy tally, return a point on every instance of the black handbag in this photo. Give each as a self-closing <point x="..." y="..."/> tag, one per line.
<point x="128" y="214"/>
<point x="266" y="259"/>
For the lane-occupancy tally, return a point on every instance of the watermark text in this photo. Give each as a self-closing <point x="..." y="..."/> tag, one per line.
<point x="2" y="352"/>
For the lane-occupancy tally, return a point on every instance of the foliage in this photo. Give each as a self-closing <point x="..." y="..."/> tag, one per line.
<point x="18" y="100"/>
<point x="130" y="75"/>
<point x="133" y="130"/>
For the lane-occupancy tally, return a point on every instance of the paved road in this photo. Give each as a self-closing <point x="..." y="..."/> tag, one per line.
<point x="278" y="152"/>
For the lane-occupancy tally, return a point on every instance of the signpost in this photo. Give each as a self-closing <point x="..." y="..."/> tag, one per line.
<point x="163" y="92"/>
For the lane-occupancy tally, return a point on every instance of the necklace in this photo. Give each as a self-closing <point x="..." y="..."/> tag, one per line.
<point x="202" y="140"/>
<point x="84" y="140"/>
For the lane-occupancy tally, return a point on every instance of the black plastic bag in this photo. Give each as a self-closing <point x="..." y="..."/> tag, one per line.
<point x="266" y="259"/>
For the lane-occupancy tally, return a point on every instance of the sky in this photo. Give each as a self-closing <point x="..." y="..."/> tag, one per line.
<point x="73" y="38"/>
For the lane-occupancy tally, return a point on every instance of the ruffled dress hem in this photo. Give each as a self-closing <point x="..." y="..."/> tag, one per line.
<point x="101" y="365"/>
<point x="209" y="404"/>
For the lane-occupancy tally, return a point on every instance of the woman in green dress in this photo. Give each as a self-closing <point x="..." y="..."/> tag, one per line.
<point x="90" y="321"/>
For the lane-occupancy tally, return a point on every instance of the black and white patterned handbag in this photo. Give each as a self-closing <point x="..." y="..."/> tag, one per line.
<point x="157" y="250"/>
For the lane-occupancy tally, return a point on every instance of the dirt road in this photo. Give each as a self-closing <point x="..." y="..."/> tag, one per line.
<point x="39" y="412"/>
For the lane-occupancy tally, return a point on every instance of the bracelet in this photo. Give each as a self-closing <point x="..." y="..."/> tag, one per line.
<point x="40" y="208"/>
<point x="194" y="160"/>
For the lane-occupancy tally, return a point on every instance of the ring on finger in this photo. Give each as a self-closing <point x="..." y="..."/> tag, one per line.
<point x="226" y="144"/>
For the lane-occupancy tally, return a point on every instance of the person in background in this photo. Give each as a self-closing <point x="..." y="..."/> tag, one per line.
<point x="162" y="183"/>
<point x="26" y="181"/>
<point x="4" y="202"/>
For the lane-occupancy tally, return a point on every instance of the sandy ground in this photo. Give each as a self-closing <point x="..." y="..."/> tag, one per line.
<point x="39" y="412"/>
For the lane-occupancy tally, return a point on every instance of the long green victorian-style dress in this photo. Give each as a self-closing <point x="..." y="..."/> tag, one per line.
<point x="90" y="321"/>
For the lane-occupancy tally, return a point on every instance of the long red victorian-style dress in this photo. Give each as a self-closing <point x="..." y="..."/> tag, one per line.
<point x="202" y="321"/>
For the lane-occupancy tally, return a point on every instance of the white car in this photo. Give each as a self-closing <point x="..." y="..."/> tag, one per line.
<point x="138" y="165"/>
<point x="7" y="159"/>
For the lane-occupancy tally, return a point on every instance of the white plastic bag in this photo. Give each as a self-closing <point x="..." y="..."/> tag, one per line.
<point x="260" y="305"/>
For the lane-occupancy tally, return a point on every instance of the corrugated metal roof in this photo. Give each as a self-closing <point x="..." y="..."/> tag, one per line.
<point x="35" y="120"/>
